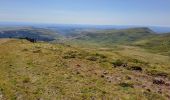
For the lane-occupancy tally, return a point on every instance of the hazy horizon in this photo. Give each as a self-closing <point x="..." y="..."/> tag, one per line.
<point x="89" y="12"/>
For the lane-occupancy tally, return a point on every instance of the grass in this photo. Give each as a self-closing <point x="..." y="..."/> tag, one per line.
<point x="32" y="71"/>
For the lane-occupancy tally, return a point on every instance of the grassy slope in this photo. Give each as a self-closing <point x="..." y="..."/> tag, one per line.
<point x="141" y="37"/>
<point x="159" y="44"/>
<point x="53" y="71"/>
<point x="111" y="37"/>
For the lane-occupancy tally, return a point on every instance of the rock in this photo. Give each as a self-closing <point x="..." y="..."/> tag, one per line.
<point x="160" y="91"/>
<point x="92" y="58"/>
<point x="143" y="86"/>
<point x="102" y="76"/>
<point x="124" y="65"/>
<point x="157" y="73"/>
<point x="78" y="65"/>
<point x="126" y="85"/>
<point x="1" y="95"/>
<point x="37" y="51"/>
<point x="128" y="77"/>
<point x="148" y="90"/>
<point x="158" y="81"/>
<point x="105" y="73"/>
<point x="109" y="79"/>
<point x="95" y="73"/>
<point x="77" y="72"/>
<point x="136" y="68"/>
<point x="167" y="84"/>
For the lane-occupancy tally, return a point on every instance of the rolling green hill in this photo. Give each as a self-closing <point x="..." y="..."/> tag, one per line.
<point x="159" y="44"/>
<point x="39" y="34"/>
<point x="111" y="37"/>
<point x="141" y="37"/>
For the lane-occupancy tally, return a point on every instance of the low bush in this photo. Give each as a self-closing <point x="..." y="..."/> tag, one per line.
<point x="157" y="73"/>
<point x="118" y="62"/>
<point x="92" y="58"/>
<point x="135" y="68"/>
<point x="26" y="80"/>
<point x="126" y="85"/>
<point x="70" y="54"/>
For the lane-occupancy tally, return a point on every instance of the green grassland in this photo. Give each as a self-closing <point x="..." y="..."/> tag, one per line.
<point x="111" y="37"/>
<point x="138" y="37"/>
<point x="55" y="71"/>
<point x="157" y="44"/>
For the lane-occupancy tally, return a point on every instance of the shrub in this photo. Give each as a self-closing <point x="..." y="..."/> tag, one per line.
<point x="126" y="85"/>
<point x="70" y="54"/>
<point x="92" y="58"/>
<point x="118" y="63"/>
<point x="100" y="55"/>
<point x="26" y="80"/>
<point x="135" y="68"/>
<point x="37" y="51"/>
<point x="138" y="61"/>
<point x="157" y="73"/>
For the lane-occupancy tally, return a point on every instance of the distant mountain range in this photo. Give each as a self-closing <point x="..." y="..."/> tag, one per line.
<point x="157" y="29"/>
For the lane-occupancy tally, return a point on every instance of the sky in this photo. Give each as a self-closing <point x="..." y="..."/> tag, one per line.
<point x="97" y="12"/>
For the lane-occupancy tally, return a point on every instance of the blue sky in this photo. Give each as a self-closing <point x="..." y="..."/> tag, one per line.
<point x="103" y="12"/>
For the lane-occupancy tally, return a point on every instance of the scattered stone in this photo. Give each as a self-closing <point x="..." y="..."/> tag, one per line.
<point x="167" y="84"/>
<point x="77" y="72"/>
<point x="70" y="54"/>
<point x="158" y="81"/>
<point x="148" y="90"/>
<point x="143" y="86"/>
<point x="105" y="73"/>
<point x="1" y="95"/>
<point x="162" y="74"/>
<point x="168" y="96"/>
<point x="92" y="58"/>
<point x="136" y="68"/>
<point x="37" y="51"/>
<point x="26" y="80"/>
<point x="109" y="79"/>
<point x="128" y="77"/>
<point x="124" y="65"/>
<point x="95" y="73"/>
<point x="102" y="76"/>
<point x="78" y="65"/>
<point x="25" y="50"/>
<point x="160" y="91"/>
<point x="126" y="85"/>
<point x="158" y="73"/>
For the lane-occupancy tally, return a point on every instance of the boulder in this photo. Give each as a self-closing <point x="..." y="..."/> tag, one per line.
<point x="158" y="81"/>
